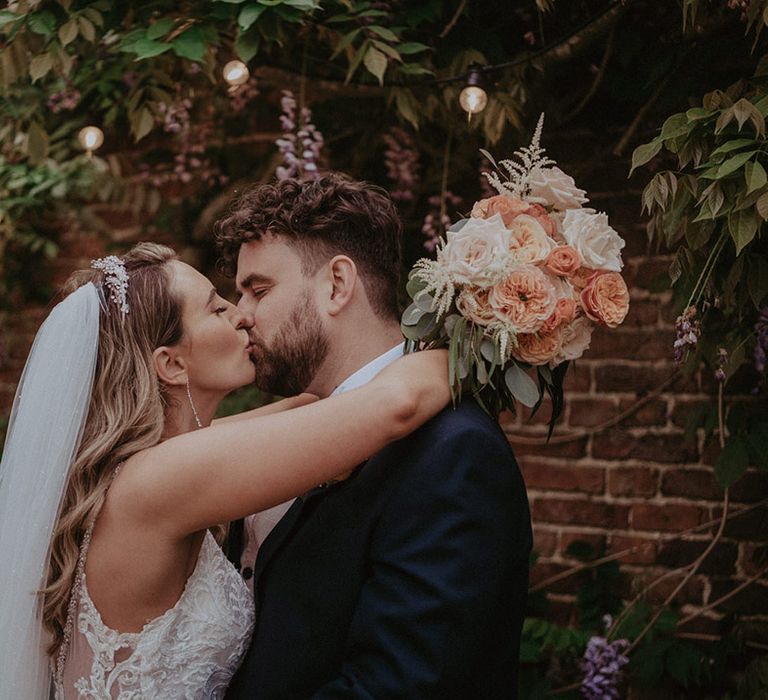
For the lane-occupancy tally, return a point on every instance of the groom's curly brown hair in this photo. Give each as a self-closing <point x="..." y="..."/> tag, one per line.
<point x="327" y="216"/>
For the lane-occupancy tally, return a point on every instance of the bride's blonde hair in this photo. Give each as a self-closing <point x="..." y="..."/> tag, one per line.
<point x="126" y="412"/>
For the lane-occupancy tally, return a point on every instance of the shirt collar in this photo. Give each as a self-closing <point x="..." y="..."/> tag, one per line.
<point x="369" y="371"/>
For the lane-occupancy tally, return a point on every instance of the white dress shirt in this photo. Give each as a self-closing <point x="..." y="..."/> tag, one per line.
<point x="256" y="527"/>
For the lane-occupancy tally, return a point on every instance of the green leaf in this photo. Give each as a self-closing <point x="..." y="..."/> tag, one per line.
<point x="521" y="386"/>
<point x="190" y="44"/>
<point x="68" y="32"/>
<point x="147" y="48"/>
<point x="743" y="227"/>
<point x="734" y="163"/>
<point x="733" y="145"/>
<point x="410" y="47"/>
<point x="143" y="124"/>
<point x="387" y="49"/>
<point x="345" y="41"/>
<point x="697" y="113"/>
<point x="762" y="206"/>
<point x="86" y="28"/>
<point x="376" y="63"/>
<point x="732" y="461"/>
<point x="40" y="65"/>
<point x="160" y="28"/>
<point x="412" y="315"/>
<point x="675" y="126"/>
<point x="642" y="154"/>
<point x="247" y="45"/>
<point x="42" y="22"/>
<point x="757" y="444"/>
<point x="684" y="663"/>
<point x="6" y="17"/>
<point x="383" y="32"/>
<point x="407" y="105"/>
<point x="755" y="176"/>
<point x="249" y="14"/>
<point x="37" y="143"/>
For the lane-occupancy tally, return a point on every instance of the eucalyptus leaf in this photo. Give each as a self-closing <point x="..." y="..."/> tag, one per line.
<point x="521" y="386"/>
<point x="412" y="315"/>
<point x="415" y="285"/>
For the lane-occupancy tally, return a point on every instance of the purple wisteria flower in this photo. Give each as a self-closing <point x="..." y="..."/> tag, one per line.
<point x="402" y="161"/>
<point x="688" y="330"/>
<point x="722" y="363"/>
<point x="435" y="222"/>
<point x="64" y="101"/>
<point x="300" y="144"/>
<point x="761" y="347"/>
<point x="602" y="665"/>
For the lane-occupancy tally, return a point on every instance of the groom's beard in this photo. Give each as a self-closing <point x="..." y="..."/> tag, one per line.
<point x="290" y="363"/>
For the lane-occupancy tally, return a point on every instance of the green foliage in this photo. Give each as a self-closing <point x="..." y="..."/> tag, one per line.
<point x="711" y="210"/>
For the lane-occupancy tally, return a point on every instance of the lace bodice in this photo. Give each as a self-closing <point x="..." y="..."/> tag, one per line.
<point x="190" y="651"/>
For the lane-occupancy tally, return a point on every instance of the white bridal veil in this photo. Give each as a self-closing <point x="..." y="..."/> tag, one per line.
<point x="44" y="432"/>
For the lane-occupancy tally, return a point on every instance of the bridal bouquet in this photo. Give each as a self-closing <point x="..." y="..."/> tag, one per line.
<point x="518" y="287"/>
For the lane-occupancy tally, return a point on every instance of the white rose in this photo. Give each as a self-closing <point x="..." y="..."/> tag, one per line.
<point x="477" y="253"/>
<point x="529" y="242"/>
<point x="589" y="232"/>
<point x="575" y="340"/>
<point x="555" y="188"/>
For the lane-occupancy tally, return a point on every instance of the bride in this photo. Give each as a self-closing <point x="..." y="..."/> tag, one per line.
<point x="113" y="480"/>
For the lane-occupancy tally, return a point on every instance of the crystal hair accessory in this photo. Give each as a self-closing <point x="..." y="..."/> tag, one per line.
<point x="116" y="279"/>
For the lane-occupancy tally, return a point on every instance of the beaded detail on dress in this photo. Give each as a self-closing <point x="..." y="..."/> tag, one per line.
<point x="190" y="651"/>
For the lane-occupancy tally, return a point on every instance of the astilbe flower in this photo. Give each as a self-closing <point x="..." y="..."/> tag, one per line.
<point x="602" y="666"/>
<point x="761" y="347"/>
<point x="688" y="330"/>
<point x="436" y="222"/>
<point x="402" y="161"/>
<point x="300" y="144"/>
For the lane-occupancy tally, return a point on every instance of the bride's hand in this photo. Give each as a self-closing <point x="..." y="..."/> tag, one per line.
<point x="420" y="382"/>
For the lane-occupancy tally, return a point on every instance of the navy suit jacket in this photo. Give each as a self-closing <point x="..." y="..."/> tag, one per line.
<point x="407" y="580"/>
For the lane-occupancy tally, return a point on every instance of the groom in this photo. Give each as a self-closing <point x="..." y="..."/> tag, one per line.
<point x="407" y="578"/>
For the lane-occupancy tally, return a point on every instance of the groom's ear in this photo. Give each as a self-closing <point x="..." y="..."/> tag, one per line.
<point x="342" y="279"/>
<point x="170" y="368"/>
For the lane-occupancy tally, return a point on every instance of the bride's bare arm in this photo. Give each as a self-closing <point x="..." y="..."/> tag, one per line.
<point x="269" y="409"/>
<point x="230" y="470"/>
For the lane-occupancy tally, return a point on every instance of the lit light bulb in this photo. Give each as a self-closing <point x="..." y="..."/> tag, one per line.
<point x="473" y="99"/>
<point x="236" y="73"/>
<point x="90" y="138"/>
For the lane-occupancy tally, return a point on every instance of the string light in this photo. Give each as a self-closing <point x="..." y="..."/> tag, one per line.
<point x="90" y="138"/>
<point x="473" y="98"/>
<point x="236" y="73"/>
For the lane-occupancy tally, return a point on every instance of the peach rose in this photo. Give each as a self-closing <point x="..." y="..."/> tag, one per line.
<point x="528" y="241"/>
<point x="575" y="339"/>
<point x="581" y="277"/>
<point x="606" y="298"/>
<point x="564" y="313"/>
<point x="563" y="261"/>
<point x="538" y="348"/>
<point x="473" y="304"/>
<point x="510" y="208"/>
<point x="525" y="299"/>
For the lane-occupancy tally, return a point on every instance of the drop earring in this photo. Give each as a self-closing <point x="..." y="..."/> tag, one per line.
<point x="192" y="404"/>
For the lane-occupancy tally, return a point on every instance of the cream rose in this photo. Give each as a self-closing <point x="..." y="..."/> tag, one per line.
<point x="575" y="338"/>
<point x="528" y="240"/>
<point x="553" y="187"/>
<point x="524" y="299"/>
<point x="473" y="304"/>
<point x="477" y="253"/>
<point x="589" y="232"/>
<point x="538" y="348"/>
<point x="563" y="261"/>
<point x="606" y="298"/>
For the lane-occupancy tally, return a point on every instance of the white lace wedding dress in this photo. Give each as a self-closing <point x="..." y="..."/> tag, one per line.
<point x="191" y="651"/>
